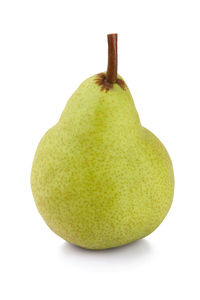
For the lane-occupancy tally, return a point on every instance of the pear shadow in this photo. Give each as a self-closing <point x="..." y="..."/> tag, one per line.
<point x="119" y="257"/>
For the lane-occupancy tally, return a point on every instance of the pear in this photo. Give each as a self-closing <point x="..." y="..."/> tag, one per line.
<point x="100" y="179"/>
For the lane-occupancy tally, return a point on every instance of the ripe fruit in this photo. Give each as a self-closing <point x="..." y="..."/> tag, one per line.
<point x="99" y="178"/>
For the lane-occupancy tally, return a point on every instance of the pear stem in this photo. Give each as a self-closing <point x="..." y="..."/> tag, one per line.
<point x="111" y="74"/>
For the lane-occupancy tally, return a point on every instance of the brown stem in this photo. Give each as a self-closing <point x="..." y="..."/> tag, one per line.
<point x="111" y="75"/>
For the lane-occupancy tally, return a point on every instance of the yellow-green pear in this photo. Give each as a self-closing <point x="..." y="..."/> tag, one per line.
<point x="100" y="179"/>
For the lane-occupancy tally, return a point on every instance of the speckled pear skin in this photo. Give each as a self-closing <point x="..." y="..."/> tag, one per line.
<point x="100" y="179"/>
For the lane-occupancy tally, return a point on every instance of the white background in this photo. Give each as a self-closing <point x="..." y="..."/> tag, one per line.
<point x="47" y="48"/>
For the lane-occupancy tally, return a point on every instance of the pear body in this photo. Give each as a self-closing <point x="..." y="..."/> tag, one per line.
<point x="100" y="179"/>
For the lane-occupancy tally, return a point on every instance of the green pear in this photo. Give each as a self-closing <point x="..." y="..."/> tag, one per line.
<point x="100" y="179"/>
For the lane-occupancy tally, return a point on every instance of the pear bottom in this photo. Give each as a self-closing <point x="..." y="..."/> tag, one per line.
<point x="100" y="199"/>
